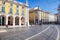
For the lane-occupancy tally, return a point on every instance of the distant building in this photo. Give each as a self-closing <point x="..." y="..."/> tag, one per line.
<point x="59" y="13"/>
<point x="13" y="13"/>
<point x="37" y="16"/>
<point x="33" y="16"/>
<point x="52" y="18"/>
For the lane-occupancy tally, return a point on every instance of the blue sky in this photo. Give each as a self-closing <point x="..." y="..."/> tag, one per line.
<point x="48" y="5"/>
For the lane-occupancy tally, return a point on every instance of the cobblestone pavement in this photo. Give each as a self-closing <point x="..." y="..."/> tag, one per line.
<point x="22" y="33"/>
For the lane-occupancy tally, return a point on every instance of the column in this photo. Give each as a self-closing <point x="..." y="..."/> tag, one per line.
<point x="34" y="20"/>
<point x="13" y="20"/>
<point x="27" y="17"/>
<point x="19" y="21"/>
<point x="6" y="20"/>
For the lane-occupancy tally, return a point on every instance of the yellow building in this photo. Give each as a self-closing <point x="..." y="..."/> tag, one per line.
<point x="33" y="16"/>
<point x="36" y="15"/>
<point x="13" y="13"/>
<point x="45" y="16"/>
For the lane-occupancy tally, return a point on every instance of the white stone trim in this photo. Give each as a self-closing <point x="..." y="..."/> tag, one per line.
<point x="6" y="20"/>
<point x="13" y="20"/>
<point x="19" y="21"/>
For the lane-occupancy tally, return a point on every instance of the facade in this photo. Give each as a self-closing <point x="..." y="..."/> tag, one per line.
<point x="56" y="18"/>
<point x="52" y="18"/>
<point x="45" y="16"/>
<point x="13" y="13"/>
<point x="33" y="18"/>
<point x="58" y="13"/>
<point x="37" y="16"/>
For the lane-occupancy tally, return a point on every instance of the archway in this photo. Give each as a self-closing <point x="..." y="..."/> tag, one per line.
<point x="36" y="20"/>
<point x="16" y="20"/>
<point x="22" y="21"/>
<point x="10" y="20"/>
<point x="2" y="20"/>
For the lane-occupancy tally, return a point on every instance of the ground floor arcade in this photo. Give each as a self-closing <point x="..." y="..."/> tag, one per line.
<point x="13" y="20"/>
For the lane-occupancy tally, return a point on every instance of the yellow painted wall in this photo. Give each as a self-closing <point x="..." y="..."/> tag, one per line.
<point x="7" y="7"/>
<point x="32" y="16"/>
<point x="25" y="10"/>
<point x="20" y="9"/>
<point x="0" y="6"/>
<point x="44" y="15"/>
<point x="14" y="8"/>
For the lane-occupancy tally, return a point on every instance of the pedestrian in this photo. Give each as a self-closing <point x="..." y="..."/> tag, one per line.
<point x="31" y="24"/>
<point x="6" y="26"/>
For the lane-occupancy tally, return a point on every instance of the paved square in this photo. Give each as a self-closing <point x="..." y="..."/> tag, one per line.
<point x="25" y="33"/>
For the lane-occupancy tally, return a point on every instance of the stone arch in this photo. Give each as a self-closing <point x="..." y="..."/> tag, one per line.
<point x="2" y="20"/>
<point x="10" y="20"/>
<point x="16" y="20"/>
<point x="22" y="20"/>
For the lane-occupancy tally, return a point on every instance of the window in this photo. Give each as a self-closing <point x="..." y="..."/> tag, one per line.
<point x="11" y="4"/>
<point x="3" y="2"/>
<point x="3" y="9"/>
<point x="22" y="10"/>
<point x="17" y="12"/>
<point x="10" y="10"/>
<point x="17" y="6"/>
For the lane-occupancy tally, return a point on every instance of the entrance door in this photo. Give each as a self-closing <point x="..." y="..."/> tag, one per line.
<point x="1" y="20"/>
<point x="10" y="20"/>
<point x="16" y="20"/>
<point x="22" y="21"/>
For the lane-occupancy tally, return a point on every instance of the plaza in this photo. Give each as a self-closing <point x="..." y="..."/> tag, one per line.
<point x="37" y="32"/>
<point x="20" y="22"/>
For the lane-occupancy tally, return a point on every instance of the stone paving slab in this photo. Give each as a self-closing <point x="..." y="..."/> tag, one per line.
<point x="50" y="34"/>
<point x="22" y="35"/>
